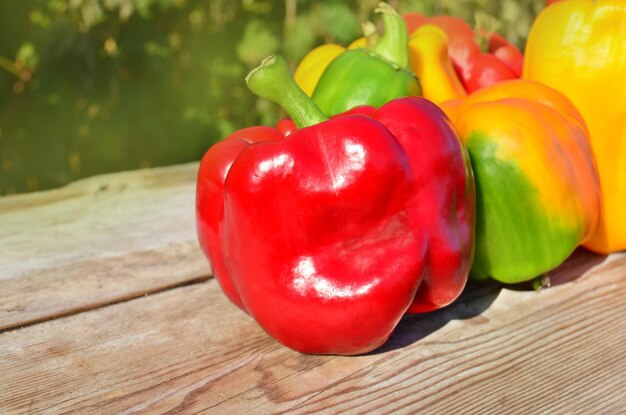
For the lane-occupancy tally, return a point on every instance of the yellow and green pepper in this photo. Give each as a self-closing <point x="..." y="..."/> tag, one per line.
<point x="579" y="48"/>
<point x="537" y="190"/>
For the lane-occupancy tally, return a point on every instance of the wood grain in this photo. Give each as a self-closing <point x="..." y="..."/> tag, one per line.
<point x="121" y="317"/>
<point x="96" y="242"/>
<point x="187" y="350"/>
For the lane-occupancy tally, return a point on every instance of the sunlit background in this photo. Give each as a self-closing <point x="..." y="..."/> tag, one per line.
<point x="95" y="86"/>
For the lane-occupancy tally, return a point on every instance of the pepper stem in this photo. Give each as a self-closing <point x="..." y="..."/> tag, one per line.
<point x="542" y="282"/>
<point x="393" y="45"/>
<point x="272" y="80"/>
<point x="370" y="33"/>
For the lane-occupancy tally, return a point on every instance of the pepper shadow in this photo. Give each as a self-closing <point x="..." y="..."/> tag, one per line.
<point x="475" y="299"/>
<point x="478" y="297"/>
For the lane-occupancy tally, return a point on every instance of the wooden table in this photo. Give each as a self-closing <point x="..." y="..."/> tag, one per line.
<point x="107" y="306"/>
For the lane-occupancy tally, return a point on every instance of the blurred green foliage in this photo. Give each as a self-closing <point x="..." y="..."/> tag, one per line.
<point x="93" y="86"/>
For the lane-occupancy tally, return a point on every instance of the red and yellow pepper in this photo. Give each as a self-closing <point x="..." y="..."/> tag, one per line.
<point x="475" y="68"/>
<point x="428" y="55"/>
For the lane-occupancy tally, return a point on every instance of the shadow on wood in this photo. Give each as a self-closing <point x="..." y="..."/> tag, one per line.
<point x="575" y="266"/>
<point x="475" y="299"/>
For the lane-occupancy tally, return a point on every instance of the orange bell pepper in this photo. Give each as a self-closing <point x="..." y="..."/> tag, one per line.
<point x="579" y="48"/>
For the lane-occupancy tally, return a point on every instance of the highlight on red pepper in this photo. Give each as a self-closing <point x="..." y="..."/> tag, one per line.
<point x="328" y="236"/>
<point x="537" y="187"/>
<point x="366" y="76"/>
<point x="476" y="68"/>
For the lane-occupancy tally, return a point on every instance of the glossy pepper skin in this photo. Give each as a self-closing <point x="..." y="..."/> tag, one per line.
<point x="369" y="76"/>
<point x="579" y="48"/>
<point x="476" y="69"/>
<point x="328" y="236"/>
<point x="537" y="189"/>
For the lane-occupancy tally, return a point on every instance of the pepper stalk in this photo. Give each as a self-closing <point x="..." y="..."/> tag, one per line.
<point x="393" y="43"/>
<point x="272" y="80"/>
<point x="369" y="76"/>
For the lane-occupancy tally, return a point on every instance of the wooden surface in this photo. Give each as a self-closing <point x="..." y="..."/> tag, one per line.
<point x="106" y="306"/>
<point x="96" y="242"/>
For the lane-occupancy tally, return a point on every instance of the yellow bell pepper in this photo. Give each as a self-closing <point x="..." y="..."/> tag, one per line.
<point x="579" y="48"/>
<point x="429" y="59"/>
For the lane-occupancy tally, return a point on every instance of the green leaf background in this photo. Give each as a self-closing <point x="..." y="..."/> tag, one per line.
<point x="95" y="86"/>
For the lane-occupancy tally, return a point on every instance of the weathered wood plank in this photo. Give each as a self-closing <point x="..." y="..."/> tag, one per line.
<point x="97" y="241"/>
<point x="187" y="350"/>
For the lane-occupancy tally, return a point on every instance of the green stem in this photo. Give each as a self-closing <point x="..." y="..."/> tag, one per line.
<point x="272" y="80"/>
<point x="393" y="45"/>
<point x="542" y="282"/>
<point x="370" y="33"/>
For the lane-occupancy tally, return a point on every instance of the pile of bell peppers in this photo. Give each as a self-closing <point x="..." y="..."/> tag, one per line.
<point x="411" y="161"/>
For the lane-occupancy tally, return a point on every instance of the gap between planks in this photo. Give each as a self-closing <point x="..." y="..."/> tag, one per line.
<point x="96" y="306"/>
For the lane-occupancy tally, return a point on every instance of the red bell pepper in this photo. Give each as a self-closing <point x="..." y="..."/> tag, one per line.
<point x="475" y="68"/>
<point x="328" y="236"/>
